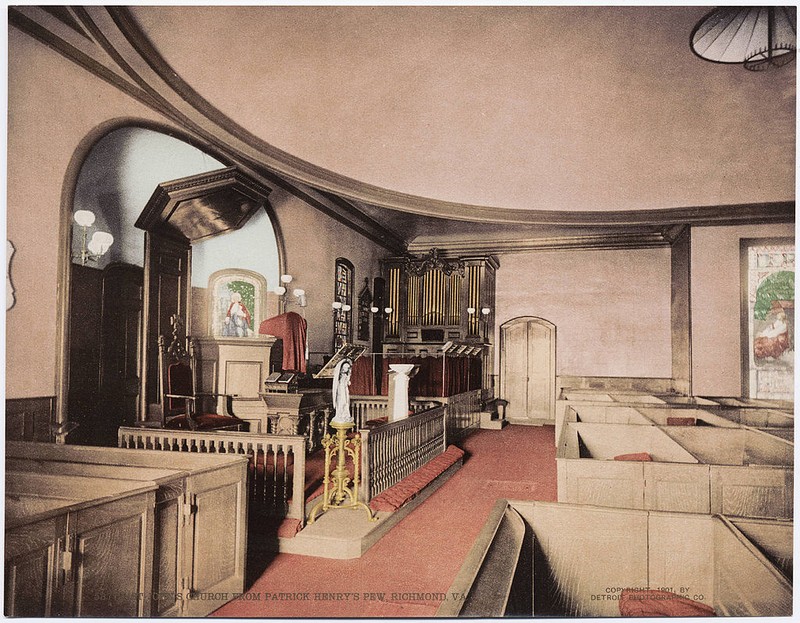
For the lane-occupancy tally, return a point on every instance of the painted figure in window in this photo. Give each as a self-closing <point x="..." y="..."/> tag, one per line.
<point x="237" y="320"/>
<point x="773" y="340"/>
<point x="341" y="391"/>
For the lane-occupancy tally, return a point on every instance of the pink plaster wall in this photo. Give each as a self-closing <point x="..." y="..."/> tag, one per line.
<point x="53" y="106"/>
<point x="611" y="308"/>
<point x="716" y="328"/>
<point x="312" y="243"/>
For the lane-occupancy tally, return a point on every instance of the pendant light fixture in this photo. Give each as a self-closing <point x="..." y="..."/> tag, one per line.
<point x="756" y="37"/>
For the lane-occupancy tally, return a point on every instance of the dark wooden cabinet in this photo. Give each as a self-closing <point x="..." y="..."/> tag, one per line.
<point x="78" y="546"/>
<point x="198" y="531"/>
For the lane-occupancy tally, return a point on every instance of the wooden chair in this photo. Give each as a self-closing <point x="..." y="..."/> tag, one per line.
<point x="182" y="407"/>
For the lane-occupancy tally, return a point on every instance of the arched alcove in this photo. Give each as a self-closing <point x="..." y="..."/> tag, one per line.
<point x="115" y="180"/>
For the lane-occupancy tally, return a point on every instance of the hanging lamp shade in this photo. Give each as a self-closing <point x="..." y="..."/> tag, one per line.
<point x="757" y="37"/>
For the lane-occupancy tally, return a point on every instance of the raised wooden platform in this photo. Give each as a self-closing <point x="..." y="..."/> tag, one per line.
<point x="347" y="534"/>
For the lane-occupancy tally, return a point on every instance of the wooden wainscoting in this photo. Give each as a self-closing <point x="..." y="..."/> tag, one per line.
<point x="30" y="419"/>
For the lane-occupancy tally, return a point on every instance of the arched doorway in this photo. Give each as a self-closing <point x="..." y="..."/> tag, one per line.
<point x="528" y="370"/>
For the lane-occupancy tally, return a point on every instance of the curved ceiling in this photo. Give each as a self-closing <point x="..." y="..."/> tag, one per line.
<point x="527" y="108"/>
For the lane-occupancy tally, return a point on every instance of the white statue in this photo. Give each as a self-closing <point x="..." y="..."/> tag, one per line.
<point x="341" y="391"/>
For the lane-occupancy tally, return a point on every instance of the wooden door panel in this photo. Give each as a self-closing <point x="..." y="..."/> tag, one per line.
<point x="514" y="370"/>
<point x="166" y="574"/>
<point x="213" y="525"/>
<point x="541" y="376"/>
<point x="167" y="284"/>
<point x="108" y="575"/>
<point x="120" y="351"/>
<point x="29" y="583"/>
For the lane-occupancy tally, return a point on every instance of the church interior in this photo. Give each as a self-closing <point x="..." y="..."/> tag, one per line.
<point x="409" y="311"/>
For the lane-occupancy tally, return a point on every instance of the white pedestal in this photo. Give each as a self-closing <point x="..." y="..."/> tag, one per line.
<point x="398" y="390"/>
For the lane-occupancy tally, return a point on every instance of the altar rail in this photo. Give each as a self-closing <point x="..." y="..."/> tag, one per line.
<point x="276" y="474"/>
<point x="365" y="408"/>
<point x="463" y="414"/>
<point x="393" y="451"/>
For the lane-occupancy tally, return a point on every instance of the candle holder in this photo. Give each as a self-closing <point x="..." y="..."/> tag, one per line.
<point x="336" y="492"/>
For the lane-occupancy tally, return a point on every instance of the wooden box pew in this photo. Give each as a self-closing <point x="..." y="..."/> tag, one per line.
<point x="78" y="546"/>
<point x="773" y="538"/>
<point x="605" y="414"/>
<point x="583" y="398"/>
<point x="756" y="418"/>
<point x="662" y="415"/>
<point x="782" y="405"/>
<point x="200" y="515"/>
<point x="773" y="421"/>
<point x="751" y="473"/>
<point x="562" y="560"/>
<point x="654" y="471"/>
<point x="733" y="446"/>
<point x="589" y="474"/>
<point x="275" y="464"/>
<point x="633" y="397"/>
<point x="684" y="416"/>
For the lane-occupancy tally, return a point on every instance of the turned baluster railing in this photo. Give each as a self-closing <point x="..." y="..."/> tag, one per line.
<point x="463" y="413"/>
<point x="276" y="481"/>
<point x="365" y="408"/>
<point x="393" y="451"/>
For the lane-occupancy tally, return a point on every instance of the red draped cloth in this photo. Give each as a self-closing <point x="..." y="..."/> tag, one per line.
<point x="291" y="328"/>
<point x="437" y="376"/>
<point x="362" y="377"/>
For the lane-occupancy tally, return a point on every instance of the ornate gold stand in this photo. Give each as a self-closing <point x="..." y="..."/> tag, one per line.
<point x="335" y="486"/>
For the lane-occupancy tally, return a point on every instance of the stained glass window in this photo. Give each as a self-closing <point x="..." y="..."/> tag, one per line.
<point x="770" y="321"/>
<point x="343" y="293"/>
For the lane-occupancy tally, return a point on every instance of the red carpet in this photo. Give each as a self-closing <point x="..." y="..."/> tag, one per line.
<point x="411" y="568"/>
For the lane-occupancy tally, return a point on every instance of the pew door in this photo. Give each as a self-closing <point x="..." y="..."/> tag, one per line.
<point x="528" y="370"/>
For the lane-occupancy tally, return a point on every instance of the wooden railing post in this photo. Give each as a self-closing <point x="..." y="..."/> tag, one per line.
<point x="364" y="494"/>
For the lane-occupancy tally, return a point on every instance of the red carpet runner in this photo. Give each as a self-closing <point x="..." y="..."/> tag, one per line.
<point x="409" y="571"/>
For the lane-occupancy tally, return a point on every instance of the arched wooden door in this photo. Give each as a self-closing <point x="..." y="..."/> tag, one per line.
<point x="528" y="370"/>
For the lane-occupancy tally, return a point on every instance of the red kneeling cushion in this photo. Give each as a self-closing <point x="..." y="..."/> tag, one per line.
<point x="634" y="603"/>
<point x="636" y="456"/>
<point x="681" y="421"/>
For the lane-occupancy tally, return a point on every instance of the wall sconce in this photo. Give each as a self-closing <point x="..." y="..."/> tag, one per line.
<point x="298" y="293"/>
<point x="281" y="289"/>
<point x="99" y="244"/>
